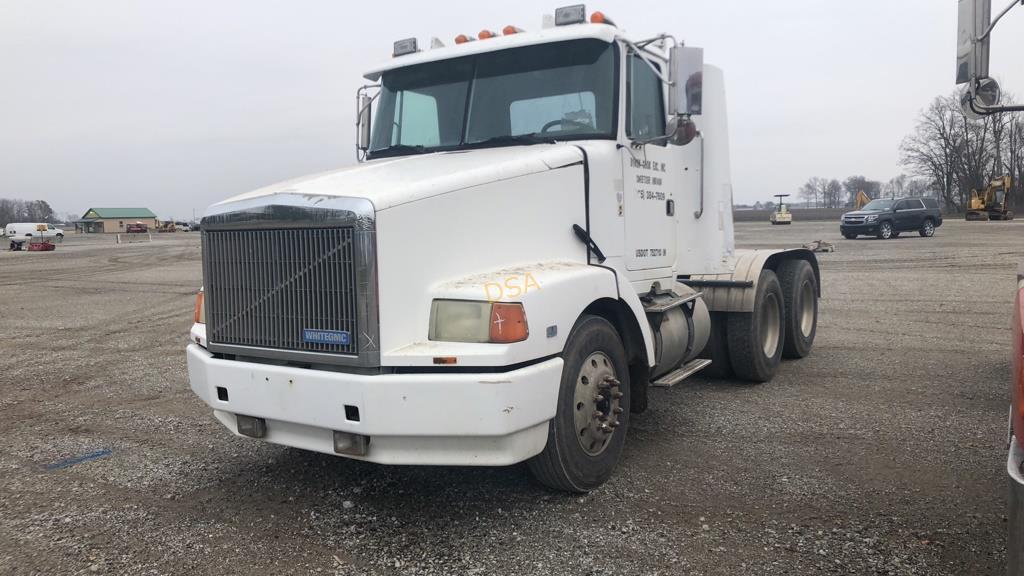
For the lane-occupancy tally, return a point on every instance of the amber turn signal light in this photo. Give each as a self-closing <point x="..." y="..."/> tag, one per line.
<point x="485" y="34"/>
<point x="199" y="312"/>
<point x="508" y="323"/>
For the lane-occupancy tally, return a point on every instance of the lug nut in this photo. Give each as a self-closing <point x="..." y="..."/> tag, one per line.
<point x="598" y="415"/>
<point x="617" y="410"/>
<point x="599" y="398"/>
<point x="606" y="429"/>
<point x="616" y="395"/>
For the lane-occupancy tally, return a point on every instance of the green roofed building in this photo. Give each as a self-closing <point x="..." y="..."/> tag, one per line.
<point x="114" y="220"/>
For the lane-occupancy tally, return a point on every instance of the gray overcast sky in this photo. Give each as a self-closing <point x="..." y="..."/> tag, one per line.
<point x="176" y="105"/>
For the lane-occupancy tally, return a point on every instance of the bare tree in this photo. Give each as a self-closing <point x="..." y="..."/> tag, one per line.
<point x="855" y="184"/>
<point x="814" y="190"/>
<point x="833" y="194"/>
<point x="956" y="154"/>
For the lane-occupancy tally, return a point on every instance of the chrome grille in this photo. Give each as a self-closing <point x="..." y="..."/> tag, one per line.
<point x="265" y="288"/>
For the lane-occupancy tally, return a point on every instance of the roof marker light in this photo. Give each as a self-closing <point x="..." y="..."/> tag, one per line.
<point x="403" y="47"/>
<point x="485" y="34"/>
<point x="462" y="39"/>
<point x="510" y="30"/>
<point x="576" y="14"/>
<point x="600" y="18"/>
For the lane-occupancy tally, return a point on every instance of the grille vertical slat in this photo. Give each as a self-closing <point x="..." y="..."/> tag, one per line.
<point x="264" y="287"/>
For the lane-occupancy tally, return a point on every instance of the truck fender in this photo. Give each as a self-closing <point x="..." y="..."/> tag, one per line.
<point x="554" y="295"/>
<point x="735" y="291"/>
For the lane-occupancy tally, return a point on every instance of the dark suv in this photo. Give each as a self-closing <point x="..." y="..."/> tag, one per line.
<point x="886" y="218"/>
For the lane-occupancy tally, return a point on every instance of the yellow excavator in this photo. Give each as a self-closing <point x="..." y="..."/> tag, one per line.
<point x="861" y="200"/>
<point x="990" y="203"/>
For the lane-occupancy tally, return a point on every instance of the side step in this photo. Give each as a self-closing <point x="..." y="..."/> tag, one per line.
<point x="682" y="373"/>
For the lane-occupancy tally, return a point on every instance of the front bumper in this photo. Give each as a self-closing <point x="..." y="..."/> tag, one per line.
<point x="861" y="229"/>
<point x="1015" y="514"/>
<point x="424" y="418"/>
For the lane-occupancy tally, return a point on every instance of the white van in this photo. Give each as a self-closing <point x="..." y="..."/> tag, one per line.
<point x="19" y="232"/>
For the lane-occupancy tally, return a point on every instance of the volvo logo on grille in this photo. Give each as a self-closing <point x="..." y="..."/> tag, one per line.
<point x="335" y="337"/>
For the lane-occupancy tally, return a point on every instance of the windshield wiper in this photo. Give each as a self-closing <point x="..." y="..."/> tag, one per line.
<point x="526" y="139"/>
<point x="396" y="149"/>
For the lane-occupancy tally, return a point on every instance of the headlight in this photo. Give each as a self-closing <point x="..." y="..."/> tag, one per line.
<point x="200" y="311"/>
<point x="473" y="321"/>
<point x="872" y="218"/>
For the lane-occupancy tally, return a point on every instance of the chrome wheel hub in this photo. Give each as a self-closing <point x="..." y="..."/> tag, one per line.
<point x="806" y="309"/>
<point x="770" y="325"/>
<point x="596" y="403"/>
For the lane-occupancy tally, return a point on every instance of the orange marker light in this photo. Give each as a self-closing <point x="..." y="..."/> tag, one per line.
<point x="200" y="316"/>
<point x="462" y="39"/>
<point x="508" y="323"/>
<point x="485" y="34"/>
<point x="445" y="360"/>
<point x="600" y="18"/>
<point x="510" y="30"/>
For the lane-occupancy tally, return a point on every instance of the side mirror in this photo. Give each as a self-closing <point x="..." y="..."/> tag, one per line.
<point x="682" y="131"/>
<point x="972" y="55"/>
<point x="686" y="72"/>
<point x="985" y="94"/>
<point x="364" y="122"/>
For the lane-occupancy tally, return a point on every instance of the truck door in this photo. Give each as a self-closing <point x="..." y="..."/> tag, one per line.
<point x="651" y="173"/>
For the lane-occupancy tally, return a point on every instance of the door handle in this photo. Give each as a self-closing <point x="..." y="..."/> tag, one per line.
<point x="670" y="207"/>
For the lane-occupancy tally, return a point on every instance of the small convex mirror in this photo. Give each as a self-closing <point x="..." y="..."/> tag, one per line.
<point x="986" y="94"/>
<point x="687" y="76"/>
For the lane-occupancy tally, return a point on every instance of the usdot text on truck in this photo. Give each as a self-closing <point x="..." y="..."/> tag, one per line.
<point x="539" y="229"/>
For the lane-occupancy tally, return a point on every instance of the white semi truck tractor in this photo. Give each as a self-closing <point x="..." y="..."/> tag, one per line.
<point x="538" y="230"/>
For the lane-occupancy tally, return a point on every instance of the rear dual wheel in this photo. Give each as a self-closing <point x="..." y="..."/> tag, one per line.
<point x="755" y="339"/>
<point x="783" y="324"/>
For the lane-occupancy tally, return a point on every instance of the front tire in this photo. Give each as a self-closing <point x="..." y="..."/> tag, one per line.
<point x="850" y="236"/>
<point x="588" y="432"/>
<point x="756" y="338"/>
<point x="800" y="294"/>
<point x="927" y="229"/>
<point x="885" y="230"/>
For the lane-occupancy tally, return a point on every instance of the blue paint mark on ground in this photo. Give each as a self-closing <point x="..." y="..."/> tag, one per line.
<point x="78" y="459"/>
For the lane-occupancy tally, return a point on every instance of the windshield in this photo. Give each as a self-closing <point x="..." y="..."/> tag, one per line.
<point x="564" y="90"/>
<point x="878" y="205"/>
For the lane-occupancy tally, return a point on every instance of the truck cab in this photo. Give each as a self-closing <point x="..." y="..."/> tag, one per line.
<point x="538" y="229"/>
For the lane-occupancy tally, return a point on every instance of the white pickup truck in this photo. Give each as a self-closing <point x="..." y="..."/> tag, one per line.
<point x="539" y="229"/>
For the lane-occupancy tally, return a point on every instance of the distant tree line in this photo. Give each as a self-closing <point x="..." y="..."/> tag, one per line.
<point x="946" y="156"/>
<point x="25" y="211"/>
<point x="954" y="154"/>
<point x="820" y="192"/>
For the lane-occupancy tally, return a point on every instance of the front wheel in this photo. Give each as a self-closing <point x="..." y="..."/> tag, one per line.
<point x="588" y="432"/>
<point x="927" y="229"/>
<point x="885" y="230"/>
<point x="756" y="338"/>
<point x="849" y="236"/>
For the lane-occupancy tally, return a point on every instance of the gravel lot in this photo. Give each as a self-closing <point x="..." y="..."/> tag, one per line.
<point x="881" y="453"/>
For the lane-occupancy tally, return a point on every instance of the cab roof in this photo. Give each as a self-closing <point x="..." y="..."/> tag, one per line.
<point x="603" y="32"/>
